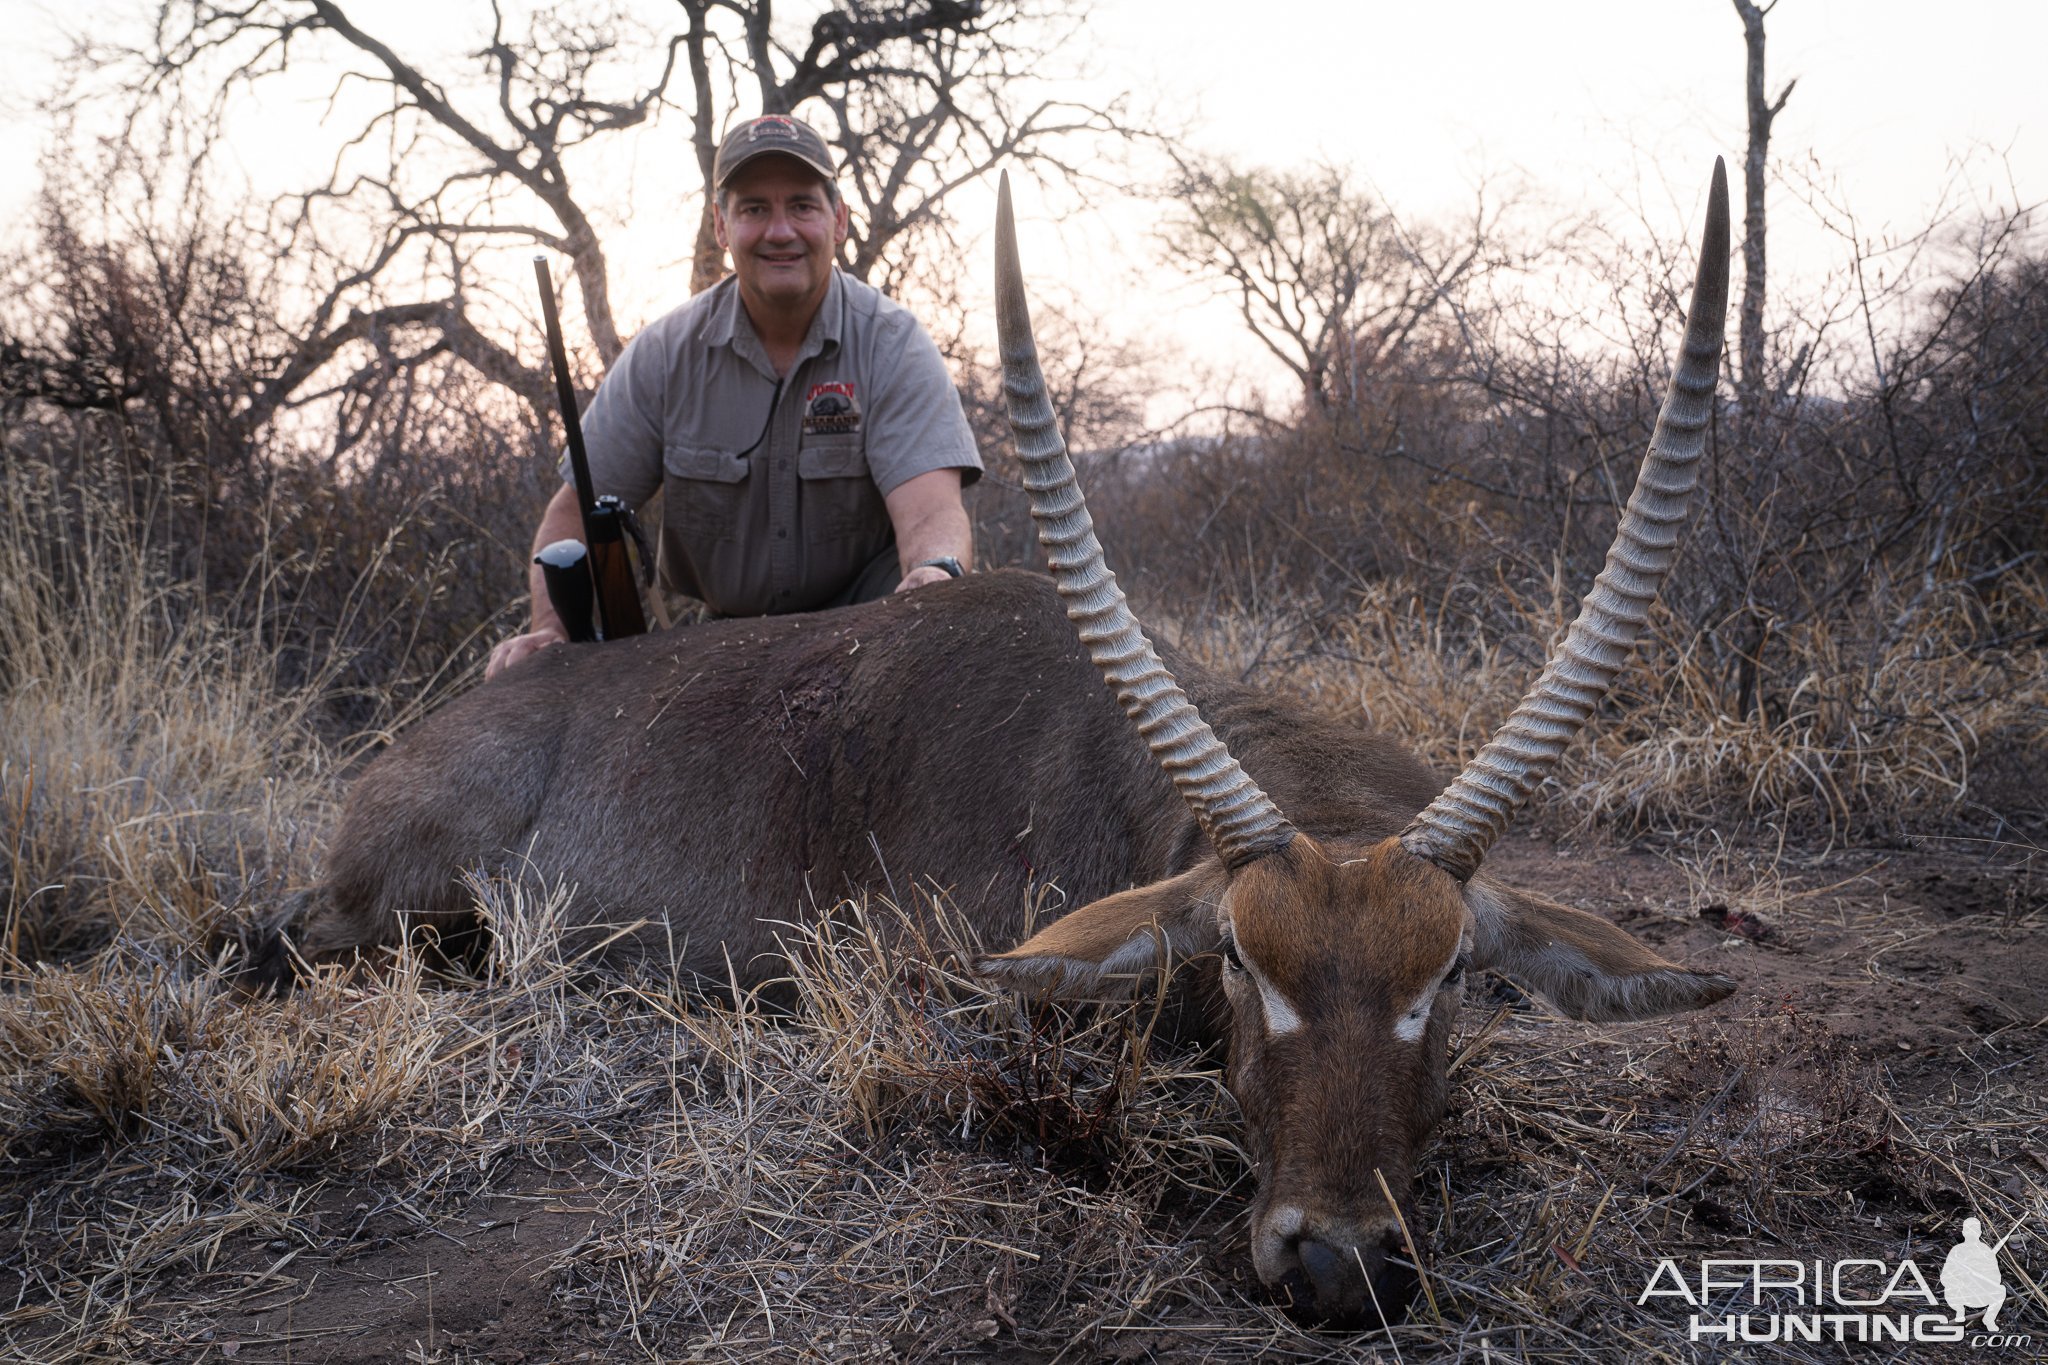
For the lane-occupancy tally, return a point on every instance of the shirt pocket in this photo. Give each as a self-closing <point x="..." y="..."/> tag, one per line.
<point x="705" y="491"/>
<point x="837" y="492"/>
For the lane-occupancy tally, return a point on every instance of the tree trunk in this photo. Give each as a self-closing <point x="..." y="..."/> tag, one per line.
<point x="1762" y="112"/>
<point x="707" y="257"/>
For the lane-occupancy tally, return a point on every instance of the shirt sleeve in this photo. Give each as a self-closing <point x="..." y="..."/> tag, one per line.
<point x="915" y="422"/>
<point x="623" y="430"/>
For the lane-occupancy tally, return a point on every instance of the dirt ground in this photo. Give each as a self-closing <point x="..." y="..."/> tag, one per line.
<point x="1905" y="987"/>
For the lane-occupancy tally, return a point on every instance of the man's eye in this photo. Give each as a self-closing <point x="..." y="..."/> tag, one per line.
<point x="1231" y="961"/>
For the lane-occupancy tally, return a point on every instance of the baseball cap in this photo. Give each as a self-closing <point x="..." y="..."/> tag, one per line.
<point x="771" y="133"/>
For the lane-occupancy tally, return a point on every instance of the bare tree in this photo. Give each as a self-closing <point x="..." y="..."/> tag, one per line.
<point x="439" y="169"/>
<point x="1322" y="274"/>
<point x="1763" y="112"/>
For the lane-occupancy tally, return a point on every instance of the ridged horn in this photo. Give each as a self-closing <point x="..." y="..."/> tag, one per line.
<point x="1241" y="821"/>
<point x="1462" y="823"/>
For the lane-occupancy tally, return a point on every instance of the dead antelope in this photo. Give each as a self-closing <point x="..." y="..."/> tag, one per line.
<point x="714" y="780"/>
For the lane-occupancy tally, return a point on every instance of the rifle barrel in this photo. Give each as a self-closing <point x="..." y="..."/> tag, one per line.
<point x="565" y="397"/>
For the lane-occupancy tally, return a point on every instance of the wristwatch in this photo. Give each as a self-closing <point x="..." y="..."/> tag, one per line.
<point x="946" y="562"/>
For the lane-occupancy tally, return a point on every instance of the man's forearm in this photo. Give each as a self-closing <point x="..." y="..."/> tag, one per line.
<point x="943" y="535"/>
<point x="929" y="520"/>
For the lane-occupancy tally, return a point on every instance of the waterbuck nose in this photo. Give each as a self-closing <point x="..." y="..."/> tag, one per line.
<point x="1359" y="1286"/>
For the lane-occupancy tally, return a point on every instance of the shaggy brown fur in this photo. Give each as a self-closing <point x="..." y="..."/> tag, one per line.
<point x="713" y="780"/>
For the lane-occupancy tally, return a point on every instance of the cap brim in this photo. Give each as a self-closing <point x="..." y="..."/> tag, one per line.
<point x="825" y="172"/>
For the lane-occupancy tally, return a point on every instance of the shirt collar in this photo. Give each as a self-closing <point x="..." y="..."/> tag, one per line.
<point x="730" y="326"/>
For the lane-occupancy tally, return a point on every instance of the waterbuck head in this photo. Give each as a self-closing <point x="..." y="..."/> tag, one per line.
<point x="1342" y="962"/>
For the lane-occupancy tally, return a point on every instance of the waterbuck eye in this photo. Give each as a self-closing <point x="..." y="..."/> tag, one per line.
<point x="1231" y="961"/>
<point x="1456" y="975"/>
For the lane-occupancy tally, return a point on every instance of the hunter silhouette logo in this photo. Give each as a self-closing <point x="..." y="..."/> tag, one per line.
<point x="1855" y="1300"/>
<point x="1970" y="1278"/>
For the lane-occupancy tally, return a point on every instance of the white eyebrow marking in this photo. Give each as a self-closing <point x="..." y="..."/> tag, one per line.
<point x="1414" y="1021"/>
<point x="1281" y="1016"/>
<point x="1409" y="1027"/>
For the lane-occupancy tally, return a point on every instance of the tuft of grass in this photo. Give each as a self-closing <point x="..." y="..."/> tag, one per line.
<point x="138" y="1048"/>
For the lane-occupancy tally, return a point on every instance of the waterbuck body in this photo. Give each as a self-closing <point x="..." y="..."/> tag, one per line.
<point x="710" y="781"/>
<point x="1326" y="889"/>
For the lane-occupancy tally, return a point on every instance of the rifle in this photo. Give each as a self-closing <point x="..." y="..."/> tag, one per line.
<point x="591" y="583"/>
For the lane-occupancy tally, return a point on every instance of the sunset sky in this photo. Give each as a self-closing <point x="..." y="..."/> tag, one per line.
<point x="1598" y="106"/>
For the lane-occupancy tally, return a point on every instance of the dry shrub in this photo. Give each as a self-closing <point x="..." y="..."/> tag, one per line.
<point x="1893" y="714"/>
<point x="152" y="772"/>
<point x="167" y="753"/>
<point x="1884" y="731"/>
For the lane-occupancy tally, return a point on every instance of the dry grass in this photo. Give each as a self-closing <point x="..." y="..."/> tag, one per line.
<point x="898" y="1165"/>
<point x="153" y="775"/>
<point x="903" y="1166"/>
<point x="1882" y="727"/>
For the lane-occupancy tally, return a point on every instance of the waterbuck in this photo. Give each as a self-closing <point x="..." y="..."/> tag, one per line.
<point x="713" y="780"/>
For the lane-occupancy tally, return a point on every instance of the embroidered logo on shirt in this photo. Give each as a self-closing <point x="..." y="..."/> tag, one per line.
<point x="830" y="409"/>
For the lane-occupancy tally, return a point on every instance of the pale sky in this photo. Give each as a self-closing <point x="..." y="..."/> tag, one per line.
<point x="1594" y="106"/>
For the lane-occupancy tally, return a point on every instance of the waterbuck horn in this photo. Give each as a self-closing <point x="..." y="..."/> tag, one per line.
<point x="1241" y="821"/>
<point x="1462" y="823"/>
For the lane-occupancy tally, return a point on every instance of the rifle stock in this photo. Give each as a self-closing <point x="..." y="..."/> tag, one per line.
<point x="597" y="592"/>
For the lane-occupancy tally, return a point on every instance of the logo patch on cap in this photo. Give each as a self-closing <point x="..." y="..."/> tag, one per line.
<point x="830" y="409"/>
<point x="772" y="126"/>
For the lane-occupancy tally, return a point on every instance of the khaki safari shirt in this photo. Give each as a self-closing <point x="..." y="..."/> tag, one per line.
<point x="773" y="489"/>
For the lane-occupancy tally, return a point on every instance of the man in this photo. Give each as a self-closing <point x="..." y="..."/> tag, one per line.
<point x="804" y="432"/>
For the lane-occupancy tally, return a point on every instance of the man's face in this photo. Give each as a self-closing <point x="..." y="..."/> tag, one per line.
<point x="782" y="229"/>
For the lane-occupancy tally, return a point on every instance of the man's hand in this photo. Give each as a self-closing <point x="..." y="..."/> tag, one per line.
<point x="916" y="578"/>
<point x="563" y="520"/>
<point x="510" y="652"/>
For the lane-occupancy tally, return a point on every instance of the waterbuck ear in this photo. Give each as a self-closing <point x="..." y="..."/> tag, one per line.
<point x="1579" y="962"/>
<point x="1106" y="949"/>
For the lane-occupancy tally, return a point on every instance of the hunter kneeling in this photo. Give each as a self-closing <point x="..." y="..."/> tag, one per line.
<point x="803" y="429"/>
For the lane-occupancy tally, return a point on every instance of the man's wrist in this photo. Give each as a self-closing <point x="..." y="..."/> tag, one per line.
<point x="946" y="563"/>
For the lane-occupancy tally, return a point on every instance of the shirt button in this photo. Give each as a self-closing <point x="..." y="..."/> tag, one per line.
<point x="782" y="533"/>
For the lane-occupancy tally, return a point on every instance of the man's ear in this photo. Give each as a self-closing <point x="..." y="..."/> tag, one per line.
<point x="1585" y="966"/>
<point x="1107" y="948"/>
